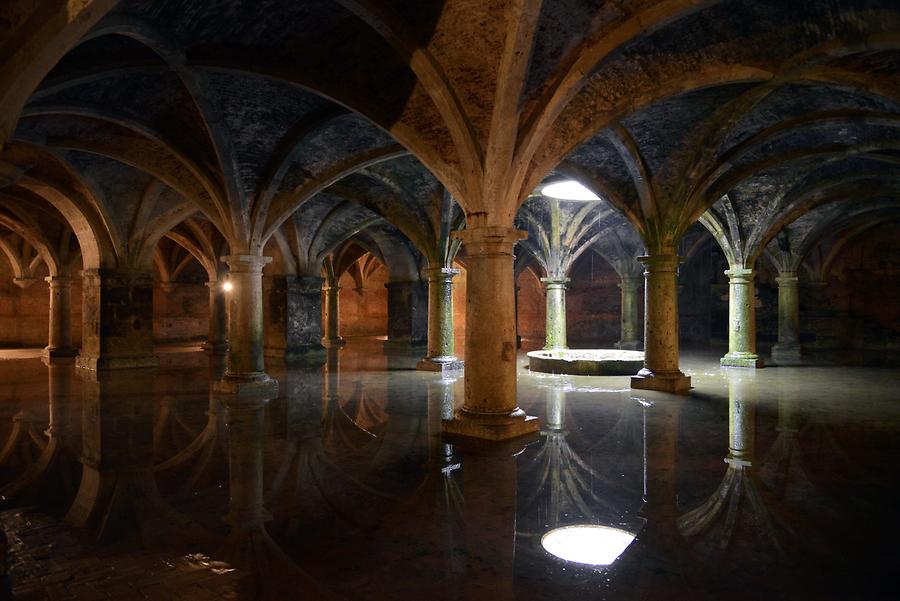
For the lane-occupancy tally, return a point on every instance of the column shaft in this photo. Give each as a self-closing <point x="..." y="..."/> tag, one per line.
<point x="660" y="370"/>
<point x="490" y="409"/>
<point x="787" y="350"/>
<point x="440" y="355"/>
<point x="407" y="314"/>
<point x="59" y="342"/>
<point x="118" y="320"/>
<point x="741" y="320"/>
<point x="332" y="337"/>
<point x="629" y="337"/>
<point x="246" y="364"/>
<point x="216" y="341"/>
<point x="555" y="335"/>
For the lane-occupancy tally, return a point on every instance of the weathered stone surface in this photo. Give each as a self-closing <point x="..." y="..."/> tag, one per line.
<point x="586" y="362"/>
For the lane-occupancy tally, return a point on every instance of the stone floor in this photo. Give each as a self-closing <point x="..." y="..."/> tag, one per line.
<point x="778" y="483"/>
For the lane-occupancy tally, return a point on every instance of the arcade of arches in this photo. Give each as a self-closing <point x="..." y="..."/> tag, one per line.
<point x="277" y="265"/>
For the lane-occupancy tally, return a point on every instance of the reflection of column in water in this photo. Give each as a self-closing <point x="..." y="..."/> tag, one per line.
<point x="118" y="496"/>
<point x="248" y="544"/>
<point x="736" y="509"/>
<point x="51" y="480"/>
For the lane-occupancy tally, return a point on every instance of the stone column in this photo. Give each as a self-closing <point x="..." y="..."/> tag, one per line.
<point x="118" y="320"/>
<point x="630" y="337"/>
<point x="407" y="314"/>
<point x="440" y="356"/>
<point x="332" y="337"/>
<point x="246" y="363"/>
<point x="490" y="409"/>
<point x="660" y="370"/>
<point x="216" y="341"/>
<point x="741" y="320"/>
<point x="295" y="318"/>
<point x="787" y="350"/>
<point x="59" y="343"/>
<point x="555" y="331"/>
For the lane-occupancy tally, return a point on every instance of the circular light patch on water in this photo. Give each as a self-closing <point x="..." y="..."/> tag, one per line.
<point x="587" y="544"/>
<point x="568" y="190"/>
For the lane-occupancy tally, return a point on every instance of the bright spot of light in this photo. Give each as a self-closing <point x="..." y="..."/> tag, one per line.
<point x="227" y="286"/>
<point x="568" y="190"/>
<point x="587" y="544"/>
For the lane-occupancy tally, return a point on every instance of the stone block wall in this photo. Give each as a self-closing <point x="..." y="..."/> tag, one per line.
<point x="181" y="314"/>
<point x="24" y="312"/>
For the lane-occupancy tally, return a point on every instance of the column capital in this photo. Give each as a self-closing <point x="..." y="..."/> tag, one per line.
<point x="24" y="283"/>
<point x="58" y="280"/>
<point x="630" y="283"/>
<point x="489" y="240"/>
<point x="332" y="289"/>
<point x="246" y="263"/>
<point x="660" y="262"/>
<point x="740" y="275"/>
<point x="787" y="278"/>
<point x="445" y="274"/>
<point x="555" y="282"/>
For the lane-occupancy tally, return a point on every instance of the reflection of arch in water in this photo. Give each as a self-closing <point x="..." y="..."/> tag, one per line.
<point x="567" y="489"/>
<point x="202" y="461"/>
<point x="52" y="478"/>
<point x="737" y="517"/>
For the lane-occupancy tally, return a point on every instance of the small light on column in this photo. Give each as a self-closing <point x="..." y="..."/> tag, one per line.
<point x="227" y="286"/>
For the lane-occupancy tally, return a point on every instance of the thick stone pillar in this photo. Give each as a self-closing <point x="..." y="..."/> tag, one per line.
<point x="490" y="409"/>
<point x="440" y="356"/>
<point x="630" y="335"/>
<point x="660" y="370"/>
<point x="332" y="337"/>
<point x="118" y="320"/>
<point x="246" y="364"/>
<point x="787" y="350"/>
<point x="217" y="340"/>
<point x="295" y="318"/>
<point x="741" y="320"/>
<point x="59" y="343"/>
<point x="407" y="314"/>
<point x="555" y="332"/>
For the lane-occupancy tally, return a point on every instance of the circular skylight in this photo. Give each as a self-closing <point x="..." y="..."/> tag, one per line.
<point x="587" y="544"/>
<point x="568" y="190"/>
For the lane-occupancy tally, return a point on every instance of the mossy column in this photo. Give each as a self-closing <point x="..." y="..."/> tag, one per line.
<point x="59" y="342"/>
<point x="741" y="320"/>
<point x="216" y="340"/>
<point x="490" y="409"/>
<point x="246" y="363"/>
<point x="440" y="355"/>
<point x="630" y="337"/>
<point x="555" y="289"/>
<point x="332" y="337"/>
<point x="660" y="370"/>
<point x="787" y="350"/>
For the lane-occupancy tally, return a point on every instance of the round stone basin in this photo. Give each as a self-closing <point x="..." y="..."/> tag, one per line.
<point x="586" y="362"/>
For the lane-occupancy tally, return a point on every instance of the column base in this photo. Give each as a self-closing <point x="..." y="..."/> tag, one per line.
<point x="741" y="360"/>
<point x="333" y="342"/>
<point x="215" y="348"/>
<point x="489" y="426"/>
<point x="629" y="345"/>
<point x="442" y="365"/>
<point x="59" y="352"/>
<point x="787" y="354"/>
<point x="102" y="363"/>
<point x="256" y="384"/>
<point x="673" y="382"/>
